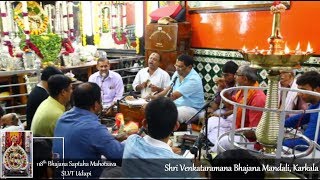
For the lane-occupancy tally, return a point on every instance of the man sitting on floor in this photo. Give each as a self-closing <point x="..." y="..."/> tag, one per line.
<point x="10" y="122"/>
<point x="292" y="101"/>
<point x="50" y="110"/>
<point x="151" y="79"/>
<point x="110" y="83"/>
<point x="229" y="70"/>
<point x="150" y="155"/>
<point x="307" y="81"/>
<point x="39" y="93"/>
<point x="85" y="138"/>
<point x="187" y="89"/>
<point x="245" y="76"/>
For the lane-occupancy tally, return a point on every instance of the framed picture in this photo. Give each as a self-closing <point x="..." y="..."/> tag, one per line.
<point x="230" y="6"/>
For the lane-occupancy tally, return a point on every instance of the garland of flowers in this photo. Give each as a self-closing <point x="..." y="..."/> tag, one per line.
<point x="47" y="9"/>
<point x="10" y="47"/>
<point x="96" y="24"/>
<point x="105" y="19"/>
<point x="66" y="43"/>
<point x="118" y="34"/>
<point x="6" y="15"/>
<point x="26" y="28"/>
<point x="57" y="18"/>
<point x="83" y="36"/>
<point x="30" y="45"/>
<point x="47" y="47"/>
<point x="277" y="7"/>
<point x="70" y="20"/>
<point x="6" y="28"/>
<point x="122" y="40"/>
<point x="38" y="12"/>
<point x="138" y="45"/>
<point x="65" y="19"/>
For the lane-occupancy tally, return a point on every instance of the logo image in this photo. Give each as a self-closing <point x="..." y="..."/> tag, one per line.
<point x="16" y="155"/>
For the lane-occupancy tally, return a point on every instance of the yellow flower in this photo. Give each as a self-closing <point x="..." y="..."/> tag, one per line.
<point x="45" y="37"/>
<point x="41" y="28"/>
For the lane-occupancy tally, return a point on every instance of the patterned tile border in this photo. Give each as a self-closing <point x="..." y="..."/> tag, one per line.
<point x="228" y="54"/>
<point x="208" y="63"/>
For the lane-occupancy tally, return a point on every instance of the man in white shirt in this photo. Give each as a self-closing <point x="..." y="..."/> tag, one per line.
<point x="151" y="79"/>
<point x="292" y="100"/>
<point x="11" y="122"/>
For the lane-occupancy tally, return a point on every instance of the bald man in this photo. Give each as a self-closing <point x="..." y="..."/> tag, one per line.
<point x="110" y="82"/>
<point x="11" y="122"/>
<point x="292" y="101"/>
<point x="151" y="79"/>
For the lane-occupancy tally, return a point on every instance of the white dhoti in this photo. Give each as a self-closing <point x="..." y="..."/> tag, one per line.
<point x="215" y="129"/>
<point x="185" y="113"/>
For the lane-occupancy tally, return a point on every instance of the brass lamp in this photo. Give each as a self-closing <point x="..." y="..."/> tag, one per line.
<point x="277" y="58"/>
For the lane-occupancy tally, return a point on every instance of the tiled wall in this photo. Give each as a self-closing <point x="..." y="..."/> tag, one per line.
<point x="209" y="63"/>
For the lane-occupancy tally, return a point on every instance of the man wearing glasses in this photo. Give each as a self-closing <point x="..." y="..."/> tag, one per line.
<point x="186" y="89"/>
<point x="245" y="76"/>
<point x="228" y="80"/>
<point x="292" y="100"/>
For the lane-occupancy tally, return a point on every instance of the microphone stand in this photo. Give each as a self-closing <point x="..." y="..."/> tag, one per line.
<point x="171" y="87"/>
<point x="206" y="123"/>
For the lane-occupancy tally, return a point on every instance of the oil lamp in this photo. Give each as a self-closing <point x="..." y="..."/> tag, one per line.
<point x="279" y="57"/>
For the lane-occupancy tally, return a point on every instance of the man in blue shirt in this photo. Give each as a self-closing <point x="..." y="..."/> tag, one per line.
<point x="151" y="156"/>
<point x="186" y="87"/>
<point x="308" y="81"/>
<point x="85" y="138"/>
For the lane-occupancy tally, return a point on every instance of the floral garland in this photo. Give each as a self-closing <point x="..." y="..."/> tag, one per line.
<point x="119" y="41"/>
<point x="277" y="7"/>
<point x="96" y="24"/>
<point x="118" y="35"/>
<point x="137" y="45"/>
<point x="47" y="47"/>
<point x="70" y="20"/>
<point x="6" y="28"/>
<point x="83" y="36"/>
<point x="30" y="45"/>
<point x="105" y="19"/>
<point x="66" y="43"/>
<point x="10" y="47"/>
<point x="36" y="13"/>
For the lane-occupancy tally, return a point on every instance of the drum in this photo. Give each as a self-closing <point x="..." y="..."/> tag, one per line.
<point x="132" y="113"/>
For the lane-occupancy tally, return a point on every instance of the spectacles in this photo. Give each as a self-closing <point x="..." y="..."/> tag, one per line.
<point x="179" y="68"/>
<point x="239" y="74"/>
<point x="226" y="74"/>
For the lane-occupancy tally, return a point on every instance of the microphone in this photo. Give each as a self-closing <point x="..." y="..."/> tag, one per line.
<point x="171" y="86"/>
<point x="104" y="77"/>
<point x="141" y="130"/>
<point x="210" y="101"/>
<point x="197" y="145"/>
